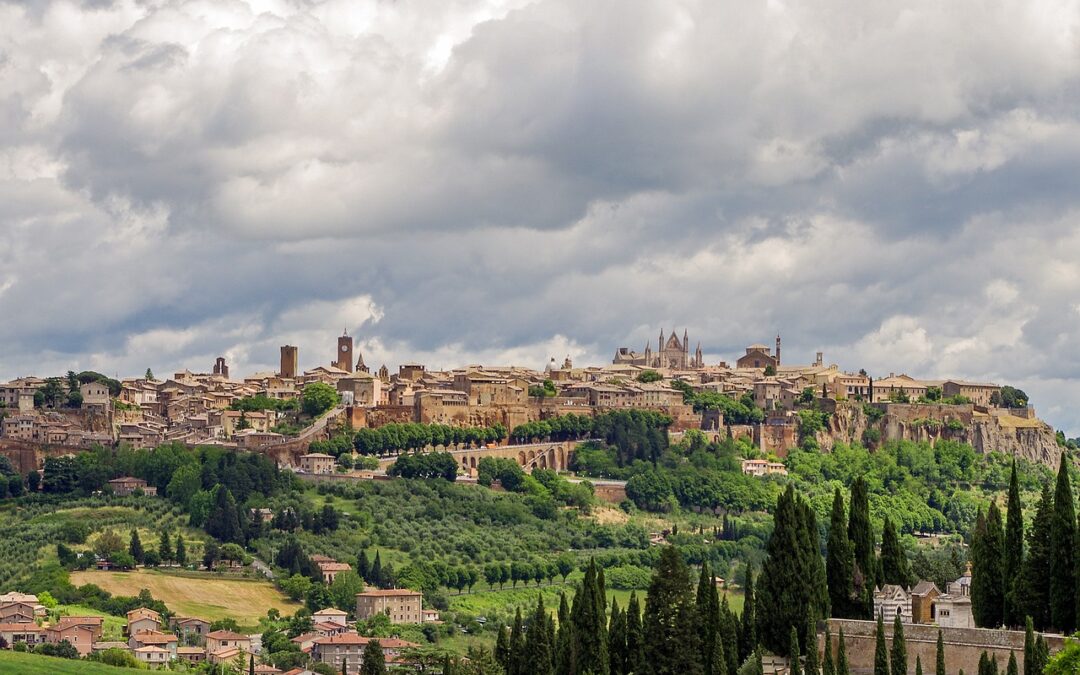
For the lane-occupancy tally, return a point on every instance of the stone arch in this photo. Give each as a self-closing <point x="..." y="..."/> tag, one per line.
<point x="521" y="458"/>
<point x="472" y="461"/>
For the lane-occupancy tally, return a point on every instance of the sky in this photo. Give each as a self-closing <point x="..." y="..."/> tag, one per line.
<point x="507" y="181"/>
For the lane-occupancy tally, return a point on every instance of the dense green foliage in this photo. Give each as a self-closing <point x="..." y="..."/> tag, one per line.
<point x="413" y="436"/>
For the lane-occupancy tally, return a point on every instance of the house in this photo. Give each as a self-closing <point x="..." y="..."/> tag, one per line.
<point x="328" y="628"/>
<point x="18" y="612"/>
<point x="142" y="619"/>
<point x="923" y="596"/>
<point x="81" y="631"/>
<point x="892" y="601"/>
<point x="429" y="615"/>
<point x="306" y="641"/>
<point x="27" y="632"/>
<point x="126" y="485"/>
<point x="153" y="638"/>
<point x="317" y="463"/>
<point x="400" y="604"/>
<point x="227" y="655"/>
<point x="342" y="652"/>
<point x="95" y="396"/>
<point x="191" y="654"/>
<point x="953" y="607"/>
<point x="266" y="669"/>
<point x="331" y="569"/>
<point x="153" y="657"/>
<point x="15" y="596"/>
<point x="761" y="467"/>
<point x="222" y="640"/>
<point x="331" y="614"/>
<point x="191" y="629"/>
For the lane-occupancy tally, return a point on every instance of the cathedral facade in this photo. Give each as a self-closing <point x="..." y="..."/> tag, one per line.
<point x="673" y="354"/>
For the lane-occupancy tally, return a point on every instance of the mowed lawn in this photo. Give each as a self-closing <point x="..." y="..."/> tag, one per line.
<point x="32" y="664"/>
<point x="205" y="597"/>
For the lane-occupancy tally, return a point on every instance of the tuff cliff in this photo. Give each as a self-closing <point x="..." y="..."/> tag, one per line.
<point x="1011" y="432"/>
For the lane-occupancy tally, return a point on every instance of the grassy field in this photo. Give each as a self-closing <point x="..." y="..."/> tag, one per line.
<point x="113" y="628"/>
<point x="483" y="602"/>
<point x="206" y="597"/>
<point x="32" y="664"/>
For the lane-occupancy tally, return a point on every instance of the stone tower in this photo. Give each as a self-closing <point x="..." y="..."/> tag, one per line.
<point x="289" y="361"/>
<point x="345" y="350"/>
<point x="778" y="350"/>
<point x="220" y="368"/>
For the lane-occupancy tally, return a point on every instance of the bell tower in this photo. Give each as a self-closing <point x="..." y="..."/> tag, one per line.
<point x="344" y="352"/>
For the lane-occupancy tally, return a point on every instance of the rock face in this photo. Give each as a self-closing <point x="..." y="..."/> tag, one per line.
<point x="1011" y="432"/>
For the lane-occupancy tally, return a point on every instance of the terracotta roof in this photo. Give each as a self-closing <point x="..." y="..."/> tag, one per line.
<point x="21" y="627"/>
<point x="343" y="639"/>
<point x="387" y="592"/>
<point x="151" y="650"/>
<point x="226" y="635"/>
<point x="329" y="611"/>
<point x="190" y="650"/>
<point x="144" y="612"/>
<point x="151" y="638"/>
<point x="334" y="566"/>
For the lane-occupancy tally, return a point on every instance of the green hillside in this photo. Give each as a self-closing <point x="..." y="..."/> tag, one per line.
<point x="32" y="664"/>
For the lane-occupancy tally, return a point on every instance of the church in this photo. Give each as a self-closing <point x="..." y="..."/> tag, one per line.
<point x="672" y="354"/>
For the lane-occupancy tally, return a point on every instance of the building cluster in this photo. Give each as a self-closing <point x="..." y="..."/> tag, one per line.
<point x="333" y="639"/>
<point x="924" y="603"/>
<point x="197" y="407"/>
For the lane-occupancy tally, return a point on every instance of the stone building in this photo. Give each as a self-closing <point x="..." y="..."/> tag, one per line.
<point x="759" y="356"/>
<point x="673" y="354"/>
<point x="400" y="604"/>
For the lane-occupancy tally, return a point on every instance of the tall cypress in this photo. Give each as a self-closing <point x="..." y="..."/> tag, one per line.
<point x="502" y="648"/>
<point x="708" y="611"/>
<point x="1037" y="563"/>
<point x="518" y="665"/>
<point x="748" y="637"/>
<point x="827" y="667"/>
<point x="918" y="665"/>
<point x="1013" y="668"/>
<point x="1014" y="554"/>
<point x="1062" y="560"/>
<point x="1029" y="648"/>
<point x="564" y="639"/>
<point x="1042" y="654"/>
<point x="812" y="667"/>
<point x="538" y="648"/>
<point x="939" y="665"/>
<point x="617" y="640"/>
<point x="881" y="652"/>
<point x="635" y="638"/>
<point x="898" y="654"/>
<point x="839" y="564"/>
<point x="894" y="565"/>
<point x="987" y="584"/>
<point x="672" y="641"/>
<point x="729" y="628"/>
<point x="793" y="652"/>
<point x="590" y="626"/>
<point x="861" y="535"/>
<point x="841" y="656"/>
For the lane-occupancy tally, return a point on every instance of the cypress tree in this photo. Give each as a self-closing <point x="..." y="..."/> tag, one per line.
<point x="729" y="627"/>
<point x="590" y="625"/>
<point x="984" y="664"/>
<point x="538" y="648"/>
<point x="748" y="638"/>
<point x="181" y="552"/>
<point x="518" y="665"/>
<point x="812" y="667"/>
<point x="135" y="548"/>
<point x="617" y="640"/>
<point x="881" y="653"/>
<point x="827" y="667"/>
<point x="841" y="656"/>
<point x="987" y="584"/>
<point x="1062" y="560"/>
<point x="363" y="567"/>
<point x="564" y="640"/>
<point x="635" y="638"/>
<point x="898" y="654"/>
<point x="1042" y="654"/>
<point x="1014" y="553"/>
<point x="251" y="665"/>
<point x="861" y="536"/>
<point x="939" y="665"/>
<point x="793" y="587"/>
<point x="1013" y="668"/>
<point x="374" y="659"/>
<point x="1037" y="563"/>
<point x="708" y="610"/>
<point x="376" y="571"/>
<point x="993" y="665"/>
<point x="1029" y="648"/>
<point x="671" y="636"/>
<point x="165" y="547"/>
<point x="894" y="565"/>
<point x="793" y="652"/>
<point x="502" y="648"/>
<point x="839" y="565"/>
<point x="918" y="665"/>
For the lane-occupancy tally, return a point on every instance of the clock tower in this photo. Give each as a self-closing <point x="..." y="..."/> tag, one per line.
<point x="344" y="353"/>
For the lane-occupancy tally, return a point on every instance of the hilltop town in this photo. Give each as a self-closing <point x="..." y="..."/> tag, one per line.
<point x="758" y="397"/>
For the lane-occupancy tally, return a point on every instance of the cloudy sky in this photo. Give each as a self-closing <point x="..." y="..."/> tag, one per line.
<point x="459" y="181"/>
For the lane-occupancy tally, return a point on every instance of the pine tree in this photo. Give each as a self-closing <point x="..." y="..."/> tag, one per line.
<point x="812" y="667"/>
<point x="1037" y="563"/>
<point x="894" y="565"/>
<point x="374" y="659"/>
<point x="502" y="648"/>
<point x="793" y="587"/>
<point x="939" y="665"/>
<point x="827" y="667"/>
<point x="861" y="536"/>
<point x="881" y="652"/>
<point x="793" y="652"/>
<point x="635" y="638"/>
<point x="590" y="625"/>
<point x="616" y="640"/>
<point x="564" y="639"/>
<point x="671" y="638"/>
<point x="1062" y="560"/>
<point x="898" y="654"/>
<point x="165" y="547"/>
<point x="841" y="656"/>
<point x="987" y="584"/>
<point x="1013" y="668"/>
<point x="748" y="636"/>
<point x="538" y="649"/>
<point x="517" y="662"/>
<point x="135" y="548"/>
<point x="1029" y="648"/>
<point x="1014" y="554"/>
<point x="181" y="552"/>
<point x="839" y="565"/>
